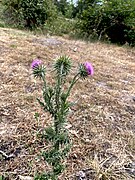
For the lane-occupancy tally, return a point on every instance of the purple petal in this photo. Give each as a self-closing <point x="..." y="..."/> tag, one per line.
<point x="89" y="68"/>
<point x="35" y="63"/>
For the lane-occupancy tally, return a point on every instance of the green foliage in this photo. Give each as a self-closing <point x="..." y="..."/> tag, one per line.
<point x="62" y="66"/>
<point x="113" y="19"/>
<point x="54" y="101"/>
<point x="40" y="71"/>
<point x="15" y="13"/>
<point x="45" y="176"/>
<point x="2" y="23"/>
<point x="29" y="13"/>
<point x="60" y="26"/>
<point x="83" y="72"/>
<point x="81" y="6"/>
<point x="65" y="7"/>
<point x="130" y="34"/>
<point x="61" y="6"/>
<point x="2" y="177"/>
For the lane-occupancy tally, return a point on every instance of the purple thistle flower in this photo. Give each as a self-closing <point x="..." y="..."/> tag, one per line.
<point x="89" y="68"/>
<point x="35" y="63"/>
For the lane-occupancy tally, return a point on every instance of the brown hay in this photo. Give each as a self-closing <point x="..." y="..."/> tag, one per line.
<point x="102" y="123"/>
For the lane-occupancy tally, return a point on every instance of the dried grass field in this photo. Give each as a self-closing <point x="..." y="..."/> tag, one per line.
<point x="101" y="124"/>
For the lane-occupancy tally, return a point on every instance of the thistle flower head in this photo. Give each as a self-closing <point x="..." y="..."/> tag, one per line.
<point x="38" y="69"/>
<point x="35" y="63"/>
<point x="86" y="69"/>
<point x="89" y="68"/>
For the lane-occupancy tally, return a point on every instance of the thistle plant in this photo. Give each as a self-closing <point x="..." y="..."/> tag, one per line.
<point x="55" y="101"/>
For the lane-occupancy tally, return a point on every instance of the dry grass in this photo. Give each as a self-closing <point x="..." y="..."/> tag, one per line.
<point x="102" y="123"/>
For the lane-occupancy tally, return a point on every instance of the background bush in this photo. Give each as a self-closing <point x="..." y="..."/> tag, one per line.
<point x="29" y="13"/>
<point x="65" y="7"/>
<point x="114" y="19"/>
<point x="60" y="26"/>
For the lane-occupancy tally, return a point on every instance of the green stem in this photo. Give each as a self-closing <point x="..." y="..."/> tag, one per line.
<point x="44" y="80"/>
<point x="58" y="88"/>
<point x="75" y="79"/>
<point x="57" y="99"/>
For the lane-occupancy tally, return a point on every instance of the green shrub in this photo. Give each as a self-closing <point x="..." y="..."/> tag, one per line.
<point x="114" y="19"/>
<point x="2" y="23"/>
<point x="29" y="13"/>
<point x="65" y="7"/>
<point x="130" y="35"/>
<point x="60" y="26"/>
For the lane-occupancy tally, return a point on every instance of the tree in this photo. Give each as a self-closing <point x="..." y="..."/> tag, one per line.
<point x="114" y="19"/>
<point x="65" y="7"/>
<point x="82" y="5"/>
<point x="62" y="6"/>
<point x="29" y="13"/>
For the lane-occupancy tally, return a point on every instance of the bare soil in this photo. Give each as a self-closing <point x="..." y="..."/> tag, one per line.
<point x="101" y="124"/>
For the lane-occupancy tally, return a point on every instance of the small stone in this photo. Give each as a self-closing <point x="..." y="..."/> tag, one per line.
<point x="80" y="174"/>
<point x="134" y="98"/>
<point x="25" y="177"/>
<point x="75" y="49"/>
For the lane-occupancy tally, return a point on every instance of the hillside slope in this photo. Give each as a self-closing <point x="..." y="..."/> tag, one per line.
<point x="102" y="123"/>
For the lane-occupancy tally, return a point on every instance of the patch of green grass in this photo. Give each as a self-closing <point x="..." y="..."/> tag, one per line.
<point x="59" y="26"/>
<point x="14" y="46"/>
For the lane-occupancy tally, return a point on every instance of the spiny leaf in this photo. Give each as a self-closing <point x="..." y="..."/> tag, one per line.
<point x="62" y="66"/>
